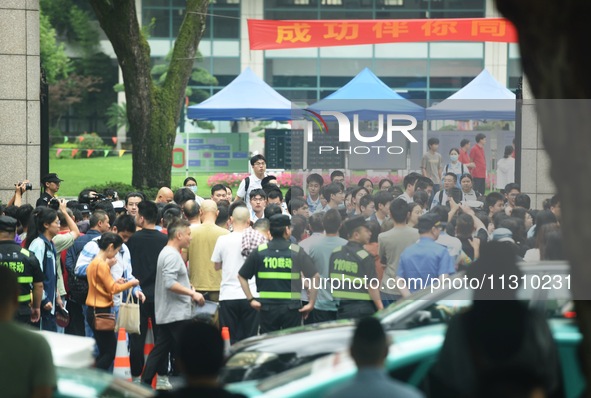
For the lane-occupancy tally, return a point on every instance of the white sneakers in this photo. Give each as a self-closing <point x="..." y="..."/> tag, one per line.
<point x="162" y="383"/>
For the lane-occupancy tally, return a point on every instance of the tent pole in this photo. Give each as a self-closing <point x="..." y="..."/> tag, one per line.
<point x="425" y="123"/>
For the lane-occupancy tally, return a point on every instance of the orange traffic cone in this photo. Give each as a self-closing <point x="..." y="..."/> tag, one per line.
<point x="226" y="338"/>
<point x="122" y="367"/>
<point x="149" y="346"/>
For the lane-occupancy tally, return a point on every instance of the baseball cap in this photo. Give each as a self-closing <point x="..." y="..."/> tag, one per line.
<point x="7" y="224"/>
<point x="51" y="177"/>
<point x="428" y="221"/>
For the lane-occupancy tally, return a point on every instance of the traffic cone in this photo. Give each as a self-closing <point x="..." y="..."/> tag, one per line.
<point x="226" y="338"/>
<point x="122" y="367"/>
<point x="149" y="346"/>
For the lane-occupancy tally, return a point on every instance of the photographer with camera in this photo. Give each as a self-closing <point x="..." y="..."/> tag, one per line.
<point x="51" y="185"/>
<point x="19" y="189"/>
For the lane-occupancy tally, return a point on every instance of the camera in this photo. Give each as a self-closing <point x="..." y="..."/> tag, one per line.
<point x="28" y="185"/>
<point x="54" y="204"/>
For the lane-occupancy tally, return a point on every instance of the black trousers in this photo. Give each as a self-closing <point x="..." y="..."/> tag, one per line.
<point x="76" y="325"/>
<point x="352" y="309"/>
<point x="168" y="336"/>
<point x="106" y="340"/>
<point x="137" y="342"/>
<point x="479" y="185"/>
<point x="240" y="318"/>
<point x="280" y="316"/>
<point x="319" y="316"/>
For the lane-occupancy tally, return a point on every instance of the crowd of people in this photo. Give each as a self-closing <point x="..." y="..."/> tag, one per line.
<point x="260" y="254"/>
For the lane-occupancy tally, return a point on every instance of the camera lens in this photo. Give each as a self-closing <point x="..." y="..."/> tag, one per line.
<point x="28" y="186"/>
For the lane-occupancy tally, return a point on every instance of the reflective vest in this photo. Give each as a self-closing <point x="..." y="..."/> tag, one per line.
<point x="18" y="262"/>
<point x="276" y="278"/>
<point x="346" y="266"/>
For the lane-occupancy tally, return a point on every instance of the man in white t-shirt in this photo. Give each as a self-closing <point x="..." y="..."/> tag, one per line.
<point x="235" y="310"/>
<point x="253" y="181"/>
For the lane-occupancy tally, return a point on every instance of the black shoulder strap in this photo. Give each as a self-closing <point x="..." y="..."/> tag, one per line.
<point x="441" y="197"/>
<point x="246" y="184"/>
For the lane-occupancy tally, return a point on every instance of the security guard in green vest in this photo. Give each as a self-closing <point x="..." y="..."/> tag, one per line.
<point x="27" y="268"/>
<point x="352" y="273"/>
<point x="278" y="266"/>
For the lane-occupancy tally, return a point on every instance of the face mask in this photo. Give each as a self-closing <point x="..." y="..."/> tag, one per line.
<point x="454" y="158"/>
<point x="193" y="188"/>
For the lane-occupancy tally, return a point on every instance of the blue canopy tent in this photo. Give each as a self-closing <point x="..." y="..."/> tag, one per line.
<point x="368" y="96"/>
<point x="246" y="98"/>
<point x="482" y="98"/>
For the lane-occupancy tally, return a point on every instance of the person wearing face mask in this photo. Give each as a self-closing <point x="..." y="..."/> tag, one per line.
<point x="454" y="166"/>
<point x="191" y="184"/>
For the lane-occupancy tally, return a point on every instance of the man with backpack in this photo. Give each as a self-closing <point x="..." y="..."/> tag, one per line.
<point x="253" y="181"/>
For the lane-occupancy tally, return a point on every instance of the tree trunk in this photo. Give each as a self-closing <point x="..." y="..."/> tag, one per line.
<point x="553" y="40"/>
<point x="152" y="111"/>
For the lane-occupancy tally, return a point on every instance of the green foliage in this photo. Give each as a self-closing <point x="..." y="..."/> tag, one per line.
<point x="117" y="116"/>
<point x="91" y="141"/>
<point x="119" y="88"/>
<point x="66" y="145"/>
<point x="83" y="31"/>
<point x="123" y="189"/>
<point x="261" y="126"/>
<point x="448" y="127"/>
<point x="53" y="56"/>
<point x="55" y="136"/>
<point x="202" y="124"/>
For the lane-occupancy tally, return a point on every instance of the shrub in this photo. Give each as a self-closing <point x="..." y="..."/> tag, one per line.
<point x="123" y="189"/>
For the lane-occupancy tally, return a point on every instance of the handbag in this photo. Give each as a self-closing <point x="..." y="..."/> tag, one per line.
<point x="129" y="315"/>
<point x="103" y="321"/>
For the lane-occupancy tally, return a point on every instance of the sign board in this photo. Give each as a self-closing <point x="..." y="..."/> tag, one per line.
<point x="210" y="152"/>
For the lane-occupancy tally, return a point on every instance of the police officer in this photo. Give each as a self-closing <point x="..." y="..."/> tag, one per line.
<point x="50" y="184"/>
<point x="353" y="274"/>
<point x="278" y="266"/>
<point x="27" y="268"/>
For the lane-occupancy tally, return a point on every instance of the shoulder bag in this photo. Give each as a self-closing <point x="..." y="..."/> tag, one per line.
<point x="129" y="315"/>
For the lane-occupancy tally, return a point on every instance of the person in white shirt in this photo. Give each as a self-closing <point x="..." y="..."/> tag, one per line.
<point x="506" y="169"/>
<point x="258" y="202"/>
<point x="253" y="181"/>
<point x="235" y="310"/>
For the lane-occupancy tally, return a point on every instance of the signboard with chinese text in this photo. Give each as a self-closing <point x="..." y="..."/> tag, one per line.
<point x="276" y="35"/>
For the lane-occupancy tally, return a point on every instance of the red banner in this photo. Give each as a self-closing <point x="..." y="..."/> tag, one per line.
<point x="276" y="35"/>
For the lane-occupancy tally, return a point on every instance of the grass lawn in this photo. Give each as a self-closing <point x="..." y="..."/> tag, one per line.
<point x="83" y="173"/>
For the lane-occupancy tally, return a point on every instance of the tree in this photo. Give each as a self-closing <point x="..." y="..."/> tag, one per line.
<point x="153" y="111"/>
<point x="53" y="57"/>
<point x="554" y="56"/>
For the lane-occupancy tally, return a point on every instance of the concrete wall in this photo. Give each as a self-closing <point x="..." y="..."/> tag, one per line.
<point x="19" y="96"/>
<point x="535" y="163"/>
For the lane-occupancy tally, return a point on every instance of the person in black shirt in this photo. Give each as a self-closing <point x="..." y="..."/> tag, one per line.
<point x="51" y="184"/>
<point x="278" y="266"/>
<point x="27" y="268"/>
<point x="144" y="247"/>
<point x="200" y="355"/>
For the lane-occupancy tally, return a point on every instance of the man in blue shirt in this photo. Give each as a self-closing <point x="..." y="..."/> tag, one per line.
<point x="369" y="350"/>
<point x="425" y="260"/>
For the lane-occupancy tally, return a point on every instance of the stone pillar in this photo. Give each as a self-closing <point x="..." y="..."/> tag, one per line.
<point x="495" y="54"/>
<point x="19" y="97"/>
<point x="535" y="163"/>
<point x="250" y="9"/>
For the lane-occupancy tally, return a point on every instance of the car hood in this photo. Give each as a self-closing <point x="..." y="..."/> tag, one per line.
<point x="306" y="340"/>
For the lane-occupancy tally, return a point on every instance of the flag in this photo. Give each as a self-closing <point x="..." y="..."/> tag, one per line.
<point x="81" y="138"/>
<point x="114" y="140"/>
<point x="89" y="152"/>
<point x="106" y="152"/>
<point x="74" y="152"/>
<point x="65" y="139"/>
<point x="121" y="152"/>
<point x="57" y="154"/>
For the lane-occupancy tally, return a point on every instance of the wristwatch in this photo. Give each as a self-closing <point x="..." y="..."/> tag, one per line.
<point x="250" y="299"/>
